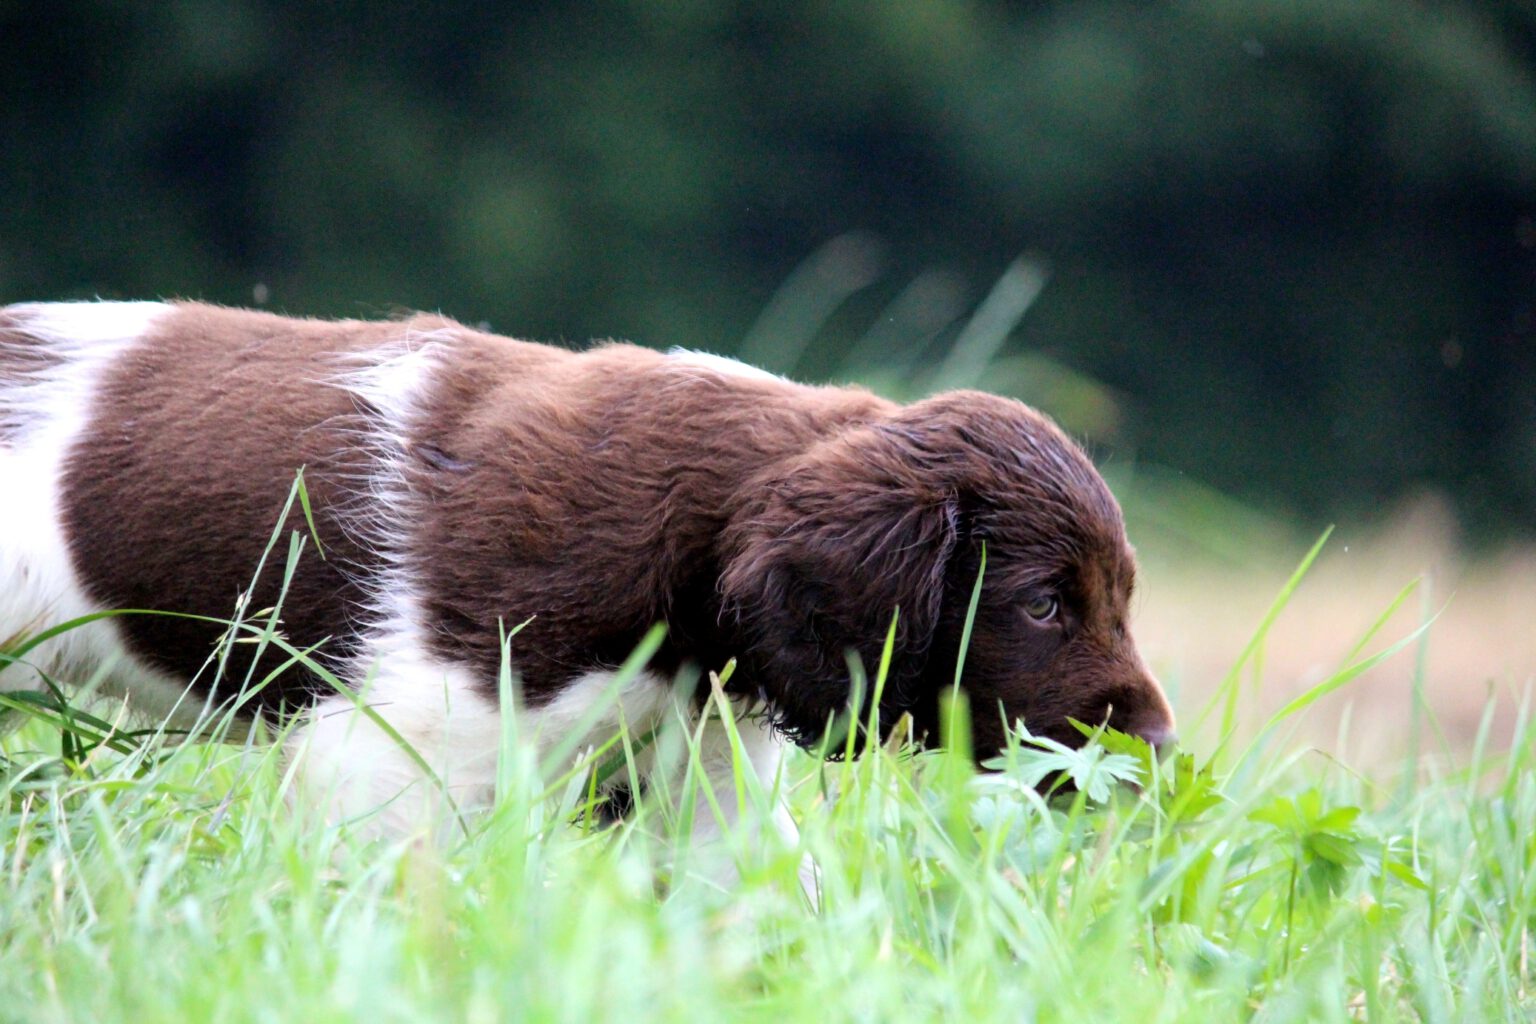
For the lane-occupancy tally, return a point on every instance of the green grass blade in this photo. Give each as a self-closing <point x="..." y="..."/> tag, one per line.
<point x="1227" y="691"/>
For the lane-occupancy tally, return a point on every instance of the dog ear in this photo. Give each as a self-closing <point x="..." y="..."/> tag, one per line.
<point x="826" y="547"/>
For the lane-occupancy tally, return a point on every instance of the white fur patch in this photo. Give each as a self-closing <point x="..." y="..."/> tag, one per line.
<point x="346" y="765"/>
<point x="764" y="751"/>
<point x="44" y="409"/>
<point x="723" y="365"/>
<point x="349" y="768"/>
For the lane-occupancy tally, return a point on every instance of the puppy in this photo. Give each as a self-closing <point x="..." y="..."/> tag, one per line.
<point x="463" y="483"/>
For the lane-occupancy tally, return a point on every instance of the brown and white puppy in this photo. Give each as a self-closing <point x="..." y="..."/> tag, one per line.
<point x="462" y="482"/>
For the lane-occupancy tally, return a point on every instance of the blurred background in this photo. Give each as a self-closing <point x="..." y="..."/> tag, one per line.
<point x="1275" y="262"/>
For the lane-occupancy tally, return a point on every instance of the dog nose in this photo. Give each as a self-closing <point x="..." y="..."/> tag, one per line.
<point x="1159" y="737"/>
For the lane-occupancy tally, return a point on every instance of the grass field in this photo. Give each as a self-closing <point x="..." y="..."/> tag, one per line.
<point x="1197" y="608"/>
<point x="152" y="881"/>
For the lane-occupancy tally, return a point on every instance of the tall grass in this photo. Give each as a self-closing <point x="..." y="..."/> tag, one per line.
<point x="150" y="878"/>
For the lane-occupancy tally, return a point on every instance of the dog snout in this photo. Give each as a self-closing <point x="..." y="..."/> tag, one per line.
<point x="1160" y="738"/>
<point x="1143" y="711"/>
<point x="1155" y="722"/>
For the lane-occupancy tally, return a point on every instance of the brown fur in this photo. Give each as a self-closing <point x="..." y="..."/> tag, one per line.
<point x="600" y="492"/>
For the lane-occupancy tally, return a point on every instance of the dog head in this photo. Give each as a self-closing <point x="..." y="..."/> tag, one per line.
<point x="895" y="514"/>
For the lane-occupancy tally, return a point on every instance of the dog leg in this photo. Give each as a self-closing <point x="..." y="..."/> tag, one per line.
<point x="762" y="755"/>
<point x="350" y="769"/>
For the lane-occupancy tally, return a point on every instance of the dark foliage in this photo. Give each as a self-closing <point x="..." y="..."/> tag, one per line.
<point x="1299" y="241"/>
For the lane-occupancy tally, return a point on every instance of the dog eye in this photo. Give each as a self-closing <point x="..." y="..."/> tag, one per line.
<point x="1041" y="607"/>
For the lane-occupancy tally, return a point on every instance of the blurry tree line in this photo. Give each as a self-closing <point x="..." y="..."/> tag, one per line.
<point x="1285" y="246"/>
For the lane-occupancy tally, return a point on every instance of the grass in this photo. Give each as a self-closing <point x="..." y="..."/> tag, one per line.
<point x="146" y="879"/>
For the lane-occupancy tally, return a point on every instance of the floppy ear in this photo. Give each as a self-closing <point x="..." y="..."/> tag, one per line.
<point x="827" y="545"/>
